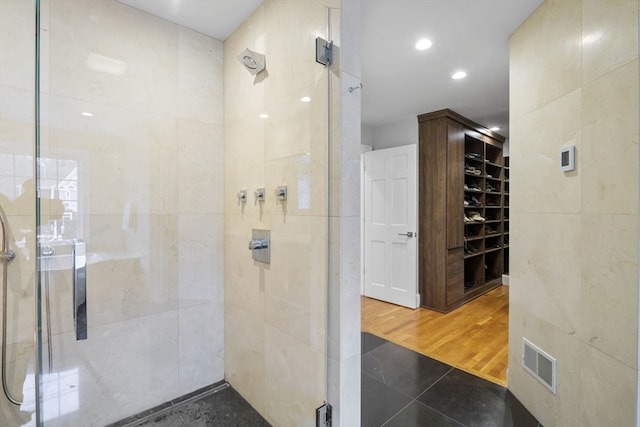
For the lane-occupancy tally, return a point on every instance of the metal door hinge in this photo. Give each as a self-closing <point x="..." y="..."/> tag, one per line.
<point x="323" y="416"/>
<point x="324" y="51"/>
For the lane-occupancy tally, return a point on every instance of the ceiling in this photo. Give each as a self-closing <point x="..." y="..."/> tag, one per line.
<point x="217" y="18"/>
<point x="399" y="81"/>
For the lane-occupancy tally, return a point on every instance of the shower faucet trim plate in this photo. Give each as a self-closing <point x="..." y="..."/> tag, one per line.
<point x="260" y="245"/>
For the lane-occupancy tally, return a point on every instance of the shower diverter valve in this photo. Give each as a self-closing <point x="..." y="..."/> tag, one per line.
<point x="260" y="245"/>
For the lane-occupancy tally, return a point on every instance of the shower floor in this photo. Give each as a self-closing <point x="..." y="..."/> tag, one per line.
<point x="399" y="388"/>
<point x="219" y="405"/>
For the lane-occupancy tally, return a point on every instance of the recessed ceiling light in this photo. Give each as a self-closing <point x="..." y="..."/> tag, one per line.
<point x="305" y="99"/>
<point x="494" y="128"/>
<point x="264" y="116"/>
<point x="423" y="44"/>
<point x="458" y="75"/>
<point x="87" y="114"/>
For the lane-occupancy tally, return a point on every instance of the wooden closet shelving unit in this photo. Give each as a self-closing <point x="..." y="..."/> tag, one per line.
<point x="505" y="215"/>
<point x="462" y="184"/>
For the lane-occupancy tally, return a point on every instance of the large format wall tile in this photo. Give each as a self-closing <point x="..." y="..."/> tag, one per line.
<point x="295" y="376"/>
<point x="17" y="40"/>
<point x="244" y="92"/>
<point x="243" y="163"/>
<point x="91" y="373"/>
<point x="296" y="283"/>
<point x="608" y="389"/>
<point x="201" y="263"/>
<point x="546" y="271"/>
<point x="610" y="285"/>
<point x="200" y="162"/>
<point x="139" y="279"/>
<point x="244" y="353"/>
<point x="560" y="409"/>
<point x="201" y="350"/>
<point x="609" y="36"/>
<point x="200" y="79"/>
<point x="547" y="63"/>
<point x="610" y="141"/>
<point x="537" y="183"/>
<point x="105" y="52"/>
<point x="291" y="27"/>
<point x="112" y="149"/>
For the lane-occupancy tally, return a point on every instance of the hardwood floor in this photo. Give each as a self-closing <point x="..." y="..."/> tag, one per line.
<point x="473" y="338"/>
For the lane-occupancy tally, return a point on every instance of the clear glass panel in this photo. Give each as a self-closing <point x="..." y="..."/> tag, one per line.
<point x="276" y="133"/>
<point x="139" y="166"/>
<point x="17" y="201"/>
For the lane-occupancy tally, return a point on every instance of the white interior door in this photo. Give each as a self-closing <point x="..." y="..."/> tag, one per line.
<point x="390" y="241"/>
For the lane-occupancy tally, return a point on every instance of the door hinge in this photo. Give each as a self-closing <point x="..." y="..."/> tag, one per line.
<point x="324" y="51"/>
<point x="323" y="416"/>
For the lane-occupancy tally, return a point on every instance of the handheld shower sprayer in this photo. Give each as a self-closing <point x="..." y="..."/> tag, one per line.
<point x="6" y="256"/>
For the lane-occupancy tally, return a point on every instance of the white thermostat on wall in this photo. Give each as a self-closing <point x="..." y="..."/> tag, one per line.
<point x="567" y="158"/>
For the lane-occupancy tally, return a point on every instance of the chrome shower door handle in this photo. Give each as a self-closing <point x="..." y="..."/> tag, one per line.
<point x="80" y="289"/>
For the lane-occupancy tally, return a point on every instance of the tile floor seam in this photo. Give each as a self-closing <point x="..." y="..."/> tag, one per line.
<point x="436" y="382"/>
<point x="398" y="413"/>
<point x="442" y="413"/>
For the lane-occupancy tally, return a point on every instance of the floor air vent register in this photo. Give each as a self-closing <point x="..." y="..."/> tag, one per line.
<point x="539" y="364"/>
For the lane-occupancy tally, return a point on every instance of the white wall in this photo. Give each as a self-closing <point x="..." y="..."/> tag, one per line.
<point x="395" y="134"/>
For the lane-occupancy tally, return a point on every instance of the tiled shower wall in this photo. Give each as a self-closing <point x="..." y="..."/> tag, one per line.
<point x="574" y="257"/>
<point x="150" y="204"/>
<point x="276" y="314"/>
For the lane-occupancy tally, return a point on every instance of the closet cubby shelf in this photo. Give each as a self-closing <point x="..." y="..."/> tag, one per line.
<point x="459" y="259"/>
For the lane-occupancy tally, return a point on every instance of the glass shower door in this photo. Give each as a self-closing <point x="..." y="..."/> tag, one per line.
<point x="129" y="190"/>
<point x="17" y="212"/>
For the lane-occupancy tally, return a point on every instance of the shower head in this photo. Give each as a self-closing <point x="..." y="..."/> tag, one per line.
<point x="254" y="62"/>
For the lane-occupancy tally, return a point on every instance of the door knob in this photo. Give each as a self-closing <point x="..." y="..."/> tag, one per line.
<point x="408" y="234"/>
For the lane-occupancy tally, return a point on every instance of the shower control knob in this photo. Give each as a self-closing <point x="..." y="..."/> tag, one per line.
<point x="259" y="195"/>
<point x="258" y="244"/>
<point x="242" y="196"/>
<point x="281" y="193"/>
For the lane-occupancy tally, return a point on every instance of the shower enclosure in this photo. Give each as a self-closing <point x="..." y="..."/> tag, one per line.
<point x="124" y="141"/>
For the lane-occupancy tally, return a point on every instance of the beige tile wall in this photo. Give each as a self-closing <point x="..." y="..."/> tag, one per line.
<point x="574" y="80"/>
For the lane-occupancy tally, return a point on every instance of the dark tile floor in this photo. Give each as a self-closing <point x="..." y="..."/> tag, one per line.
<point x="402" y="388"/>
<point x="219" y="406"/>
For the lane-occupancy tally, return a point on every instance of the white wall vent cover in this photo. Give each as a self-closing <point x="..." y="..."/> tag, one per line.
<point x="539" y="364"/>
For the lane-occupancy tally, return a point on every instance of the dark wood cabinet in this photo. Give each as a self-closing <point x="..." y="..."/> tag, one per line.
<point x="462" y="186"/>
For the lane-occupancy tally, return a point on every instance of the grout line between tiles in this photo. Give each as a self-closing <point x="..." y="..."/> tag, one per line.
<point x="436" y="382"/>
<point x="416" y="398"/>
<point x="397" y="413"/>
